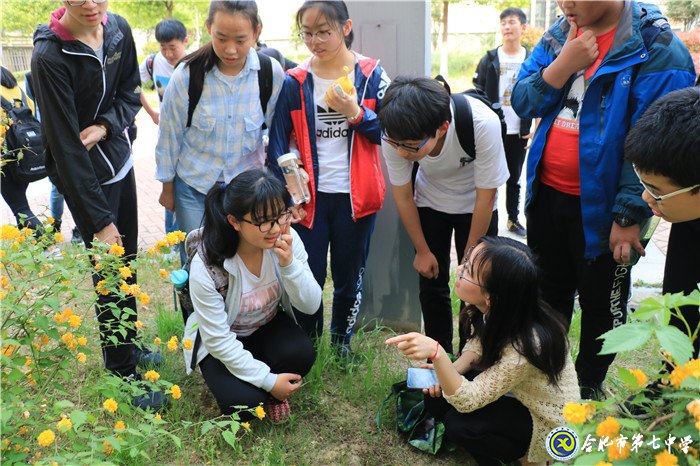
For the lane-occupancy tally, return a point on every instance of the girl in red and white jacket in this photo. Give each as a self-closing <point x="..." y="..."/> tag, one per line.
<point x="338" y="139"/>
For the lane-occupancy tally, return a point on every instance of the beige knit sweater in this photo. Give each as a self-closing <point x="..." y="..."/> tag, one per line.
<point x="514" y="374"/>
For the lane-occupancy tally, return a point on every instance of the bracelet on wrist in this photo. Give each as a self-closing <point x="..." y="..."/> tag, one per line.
<point x="356" y="117"/>
<point x="437" y="350"/>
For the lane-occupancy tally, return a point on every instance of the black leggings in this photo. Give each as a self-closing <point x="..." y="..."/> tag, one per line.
<point x="14" y="192"/>
<point x="500" y="432"/>
<point x="281" y="344"/>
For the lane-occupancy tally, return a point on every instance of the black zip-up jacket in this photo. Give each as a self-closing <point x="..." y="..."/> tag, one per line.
<point x="74" y="90"/>
<point x="487" y="76"/>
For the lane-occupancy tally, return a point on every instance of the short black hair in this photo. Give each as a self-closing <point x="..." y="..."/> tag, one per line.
<point x="170" y="29"/>
<point x="514" y="12"/>
<point x="8" y="79"/>
<point x="414" y="108"/>
<point x="665" y="139"/>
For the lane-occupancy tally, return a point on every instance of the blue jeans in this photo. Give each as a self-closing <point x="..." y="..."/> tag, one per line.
<point x="56" y="203"/>
<point x="170" y="222"/>
<point x="349" y="242"/>
<point x="189" y="209"/>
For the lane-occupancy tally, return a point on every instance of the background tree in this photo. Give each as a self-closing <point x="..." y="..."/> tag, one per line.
<point x="684" y="11"/>
<point x="23" y="16"/>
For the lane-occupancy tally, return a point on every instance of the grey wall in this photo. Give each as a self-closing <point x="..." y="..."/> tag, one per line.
<point x="398" y="33"/>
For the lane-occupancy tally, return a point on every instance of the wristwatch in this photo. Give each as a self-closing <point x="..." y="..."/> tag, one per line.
<point x="624" y="221"/>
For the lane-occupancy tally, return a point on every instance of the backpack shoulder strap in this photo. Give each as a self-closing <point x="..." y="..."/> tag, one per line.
<point x="265" y="82"/>
<point x="149" y="64"/>
<point x="194" y="89"/>
<point x="464" y="124"/>
<point x="6" y="104"/>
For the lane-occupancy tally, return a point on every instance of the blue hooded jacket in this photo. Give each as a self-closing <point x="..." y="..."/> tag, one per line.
<point x="629" y="79"/>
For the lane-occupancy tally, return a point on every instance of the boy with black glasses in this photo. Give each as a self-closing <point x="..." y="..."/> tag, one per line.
<point x="452" y="193"/>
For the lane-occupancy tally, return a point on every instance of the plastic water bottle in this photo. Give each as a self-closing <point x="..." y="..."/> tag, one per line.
<point x="297" y="180"/>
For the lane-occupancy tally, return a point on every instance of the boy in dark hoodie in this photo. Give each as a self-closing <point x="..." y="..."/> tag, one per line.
<point x="590" y="78"/>
<point x="87" y="84"/>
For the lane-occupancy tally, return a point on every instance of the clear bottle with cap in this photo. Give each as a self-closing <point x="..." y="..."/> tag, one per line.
<point x="296" y="178"/>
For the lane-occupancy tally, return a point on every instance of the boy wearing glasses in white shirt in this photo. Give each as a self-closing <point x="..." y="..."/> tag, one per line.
<point x="452" y="193"/>
<point x="663" y="148"/>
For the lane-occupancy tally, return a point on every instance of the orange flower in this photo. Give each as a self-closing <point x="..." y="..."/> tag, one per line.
<point x="152" y="376"/>
<point x="46" y="438"/>
<point x="107" y="448"/>
<point x="82" y="341"/>
<point x="116" y="250"/>
<point x="577" y="413"/>
<point x="187" y="344"/>
<point x="120" y="425"/>
<point x="694" y="408"/>
<point x="138" y="324"/>
<point x="666" y="459"/>
<point x="81" y="358"/>
<point x="64" y="425"/>
<point x="101" y="287"/>
<point x="616" y="453"/>
<point x="608" y="428"/>
<point x="175" y="391"/>
<point x="125" y="272"/>
<point x="145" y="299"/>
<point x="640" y="376"/>
<point x="163" y="273"/>
<point x="75" y="321"/>
<point x="157" y="341"/>
<point x="110" y="405"/>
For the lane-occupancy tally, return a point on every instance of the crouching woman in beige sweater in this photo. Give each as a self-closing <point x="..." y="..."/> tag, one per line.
<point x="506" y="391"/>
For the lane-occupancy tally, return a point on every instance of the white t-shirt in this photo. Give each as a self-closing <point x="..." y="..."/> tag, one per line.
<point x="447" y="182"/>
<point x="331" y="141"/>
<point x="260" y="297"/>
<point x="162" y="71"/>
<point x="510" y="67"/>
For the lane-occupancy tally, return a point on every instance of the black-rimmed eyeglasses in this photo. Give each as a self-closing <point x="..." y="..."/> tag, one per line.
<point x="398" y="145"/>
<point x="82" y="2"/>
<point x="264" y="227"/>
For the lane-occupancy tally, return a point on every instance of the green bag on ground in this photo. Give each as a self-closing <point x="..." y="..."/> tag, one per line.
<point x="424" y="432"/>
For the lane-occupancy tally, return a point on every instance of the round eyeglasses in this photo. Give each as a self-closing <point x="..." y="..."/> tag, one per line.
<point x="265" y="227"/>
<point x="82" y="2"/>
<point x="466" y="263"/>
<point x="321" y="36"/>
<point x="404" y="147"/>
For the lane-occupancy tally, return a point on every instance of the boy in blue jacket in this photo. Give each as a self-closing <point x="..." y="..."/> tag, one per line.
<point x="591" y="76"/>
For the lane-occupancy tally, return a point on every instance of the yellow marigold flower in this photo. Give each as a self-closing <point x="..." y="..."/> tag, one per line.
<point x="124" y="288"/>
<point x="107" y="448"/>
<point x="692" y="368"/>
<point x="152" y="251"/>
<point x="120" y="425"/>
<point x="175" y="391"/>
<point x="4" y="281"/>
<point x="694" y="408"/>
<point x="608" y="428"/>
<point x="144" y="298"/>
<point x="163" y="273"/>
<point x="138" y="325"/>
<point x="44" y="340"/>
<point x="640" y="376"/>
<point x="116" y="250"/>
<point x="577" y="413"/>
<point x="81" y="358"/>
<point x="151" y="376"/>
<point x="65" y="282"/>
<point x="46" y="438"/>
<point x="2" y="253"/>
<point x="110" y="405"/>
<point x="125" y="272"/>
<point x="67" y="338"/>
<point x="9" y="232"/>
<point x="697" y="425"/>
<point x="160" y="244"/>
<point x="75" y="321"/>
<point x="98" y="267"/>
<point x="172" y="345"/>
<point x="134" y="290"/>
<point x="64" y="425"/>
<point x="58" y="237"/>
<point x="677" y="376"/>
<point x="157" y="341"/>
<point x="7" y="350"/>
<point x="246" y="425"/>
<point x="666" y="459"/>
<point x="260" y="412"/>
<point x="50" y="220"/>
<point x="67" y="313"/>
<point x="82" y="341"/>
<point x="59" y="318"/>
<point x="616" y="453"/>
<point x="157" y="417"/>
<point x="101" y="287"/>
<point x="171" y="239"/>
<point x="187" y="344"/>
<point x="27" y="361"/>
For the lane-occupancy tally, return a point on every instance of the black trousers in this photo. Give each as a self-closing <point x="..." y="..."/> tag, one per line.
<point x="682" y="271"/>
<point x="514" y="147"/>
<point x="555" y="234"/>
<point x="281" y="344"/>
<point x="434" y="295"/>
<point x="14" y="192"/>
<point x="500" y="432"/>
<point x="121" y="197"/>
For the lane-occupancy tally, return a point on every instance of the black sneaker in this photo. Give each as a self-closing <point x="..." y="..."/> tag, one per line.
<point x="642" y="405"/>
<point x="77" y="237"/>
<point x="147" y="399"/>
<point x="146" y="357"/>
<point x="346" y="357"/>
<point x="516" y="228"/>
<point x="592" y="392"/>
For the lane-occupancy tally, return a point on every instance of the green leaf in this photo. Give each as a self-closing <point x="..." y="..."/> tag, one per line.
<point x="626" y="337"/>
<point x="229" y="437"/>
<point x="78" y="418"/>
<point x="675" y="342"/>
<point x="691" y="383"/>
<point x="648" y="309"/>
<point x="627" y="377"/>
<point x="206" y="427"/>
<point x="631" y="424"/>
<point x="589" y="459"/>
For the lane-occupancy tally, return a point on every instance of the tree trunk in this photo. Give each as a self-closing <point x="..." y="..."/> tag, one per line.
<point x="443" y="46"/>
<point x="169" y="5"/>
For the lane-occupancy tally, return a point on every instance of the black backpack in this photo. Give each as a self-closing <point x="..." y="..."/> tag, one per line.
<point x="23" y="148"/>
<point x="463" y="115"/>
<point x="197" y="73"/>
